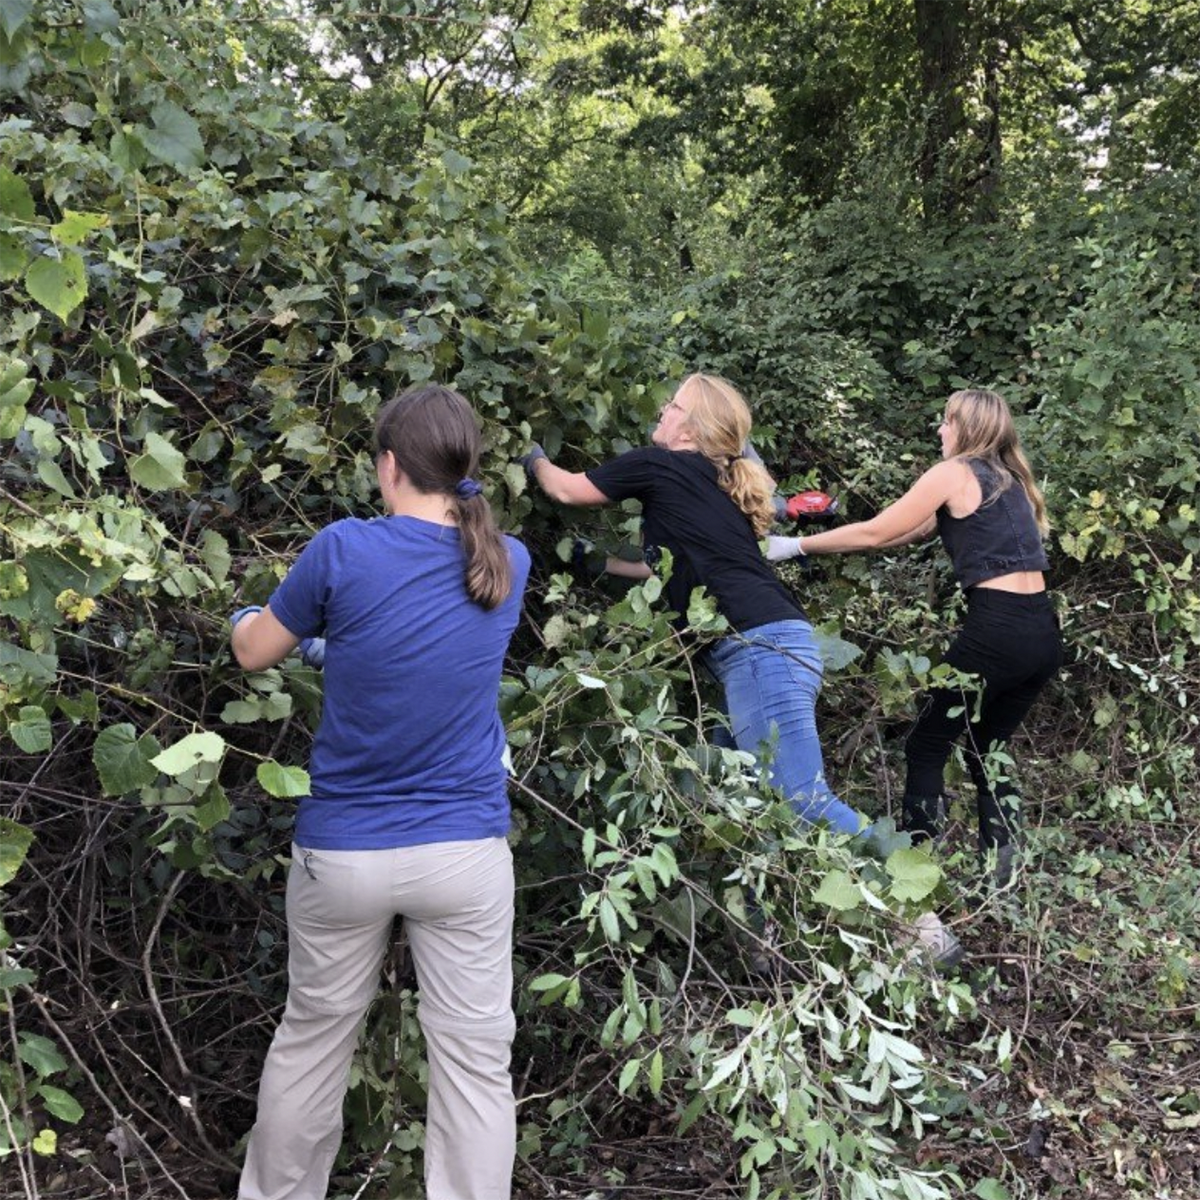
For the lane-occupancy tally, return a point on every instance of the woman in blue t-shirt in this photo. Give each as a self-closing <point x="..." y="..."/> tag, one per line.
<point x="984" y="503"/>
<point x="708" y="503"/>
<point x="410" y="615"/>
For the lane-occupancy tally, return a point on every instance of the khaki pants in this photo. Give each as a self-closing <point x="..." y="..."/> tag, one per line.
<point x="456" y="899"/>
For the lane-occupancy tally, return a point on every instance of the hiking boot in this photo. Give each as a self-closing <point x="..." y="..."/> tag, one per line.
<point x="933" y="941"/>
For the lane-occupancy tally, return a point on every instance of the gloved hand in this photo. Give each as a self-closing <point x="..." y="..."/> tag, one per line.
<point x="811" y="506"/>
<point x="243" y="612"/>
<point x="312" y="652"/>
<point x="529" y="461"/>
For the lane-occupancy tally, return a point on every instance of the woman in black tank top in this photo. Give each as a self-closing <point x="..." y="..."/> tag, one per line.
<point x="984" y="503"/>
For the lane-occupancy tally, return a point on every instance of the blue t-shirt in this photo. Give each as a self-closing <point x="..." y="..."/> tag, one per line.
<point x="410" y="746"/>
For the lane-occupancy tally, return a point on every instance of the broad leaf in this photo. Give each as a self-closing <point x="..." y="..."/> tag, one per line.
<point x="14" y="14"/>
<point x="13" y="257"/>
<point x="914" y="874"/>
<point x="175" y="138"/>
<point x="75" y="226"/>
<point x="59" y="284"/>
<point x="31" y="730"/>
<point x="15" y="841"/>
<point x="282" y="782"/>
<point x="838" y="892"/>
<point x="40" y="1053"/>
<point x="61" y="1104"/>
<point x="160" y="468"/>
<point x="196" y="748"/>
<point x="16" y="200"/>
<point x="123" y="760"/>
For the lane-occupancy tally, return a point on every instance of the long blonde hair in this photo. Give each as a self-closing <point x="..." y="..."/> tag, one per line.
<point x="719" y="423"/>
<point x="984" y="429"/>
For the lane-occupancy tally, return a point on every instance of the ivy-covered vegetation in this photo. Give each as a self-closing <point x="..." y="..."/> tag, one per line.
<point x="229" y="228"/>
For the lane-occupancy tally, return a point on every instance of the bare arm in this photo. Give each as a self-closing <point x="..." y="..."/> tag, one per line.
<point x="622" y="568"/>
<point x="567" y="487"/>
<point x="259" y="640"/>
<point x="922" y="533"/>
<point x="910" y="517"/>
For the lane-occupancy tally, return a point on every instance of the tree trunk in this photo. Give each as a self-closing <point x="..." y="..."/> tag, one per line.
<point x="940" y="27"/>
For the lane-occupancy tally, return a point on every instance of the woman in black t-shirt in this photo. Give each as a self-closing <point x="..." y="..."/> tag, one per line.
<point x="708" y="504"/>
<point x="984" y="503"/>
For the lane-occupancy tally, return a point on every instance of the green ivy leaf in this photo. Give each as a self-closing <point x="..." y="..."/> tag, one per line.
<point x="15" y="841"/>
<point x="160" y="468"/>
<point x="914" y="874"/>
<point x="14" y="14"/>
<point x="59" y="284"/>
<point x="124" y="761"/>
<point x="16" y="200"/>
<point x="188" y="752"/>
<point x="990" y="1189"/>
<point x="31" y="730"/>
<point x="282" y="782"/>
<point x="837" y="891"/>
<point x="61" y="1104"/>
<point x="175" y="138"/>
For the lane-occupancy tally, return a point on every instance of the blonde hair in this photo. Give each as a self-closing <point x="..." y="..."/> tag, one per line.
<point x="984" y="429"/>
<point x="719" y="423"/>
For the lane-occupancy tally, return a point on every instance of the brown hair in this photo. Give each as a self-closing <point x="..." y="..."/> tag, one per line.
<point x="984" y="429"/>
<point x="719" y="422"/>
<point x="431" y="432"/>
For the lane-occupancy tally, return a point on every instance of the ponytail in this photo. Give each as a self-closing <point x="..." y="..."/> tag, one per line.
<point x="488" y="570"/>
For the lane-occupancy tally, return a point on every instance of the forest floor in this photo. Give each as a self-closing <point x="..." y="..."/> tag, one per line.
<point x="1092" y="968"/>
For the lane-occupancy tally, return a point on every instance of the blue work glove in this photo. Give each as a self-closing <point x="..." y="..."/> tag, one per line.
<point x="243" y="612"/>
<point x="529" y="461"/>
<point x="312" y="652"/>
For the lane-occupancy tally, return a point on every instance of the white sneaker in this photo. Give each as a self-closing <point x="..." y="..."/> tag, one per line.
<point x="931" y="939"/>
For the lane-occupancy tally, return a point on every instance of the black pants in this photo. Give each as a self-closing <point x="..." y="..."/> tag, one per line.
<point x="1013" y="644"/>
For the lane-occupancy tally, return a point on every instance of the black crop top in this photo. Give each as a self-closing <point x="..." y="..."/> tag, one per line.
<point x="999" y="537"/>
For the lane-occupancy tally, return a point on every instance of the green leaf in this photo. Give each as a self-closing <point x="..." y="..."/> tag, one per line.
<point x="11" y="977"/>
<point x="59" y="284"/>
<point x="75" y="226"/>
<point x="61" y="1104"/>
<point x="196" y="748"/>
<point x="175" y="138"/>
<point x="16" y="200"/>
<point x="160" y="468"/>
<point x="214" y="550"/>
<point x="213" y="809"/>
<point x="51" y="474"/>
<point x="837" y="891"/>
<point x="14" y="14"/>
<point x="15" y="841"/>
<point x="99" y="16"/>
<point x="282" y="782"/>
<point x="40" y="1053"/>
<point x="629" y="1073"/>
<point x="124" y="761"/>
<point x="914" y="874"/>
<point x="46" y="1143"/>
<point x="655" y="1076"/>
<point x="31" y="730"/>
<point x="13" y="257"/>
<point x="990" y="1189"/>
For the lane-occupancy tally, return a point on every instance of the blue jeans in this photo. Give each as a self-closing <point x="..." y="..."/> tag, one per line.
<point x="771" y="675"/>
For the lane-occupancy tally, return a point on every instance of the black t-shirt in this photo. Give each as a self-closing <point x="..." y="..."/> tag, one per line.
<point x="711" y="540"/>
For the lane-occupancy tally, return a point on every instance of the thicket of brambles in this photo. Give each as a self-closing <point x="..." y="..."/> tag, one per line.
<point x="216" y="258"/>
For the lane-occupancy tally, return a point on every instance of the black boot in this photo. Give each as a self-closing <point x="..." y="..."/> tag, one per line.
<point x="924" y="816"/>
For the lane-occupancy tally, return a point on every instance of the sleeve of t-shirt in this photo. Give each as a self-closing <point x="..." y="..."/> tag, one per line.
<point x="632" y="475"/>
<point x="299" y="601"/>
